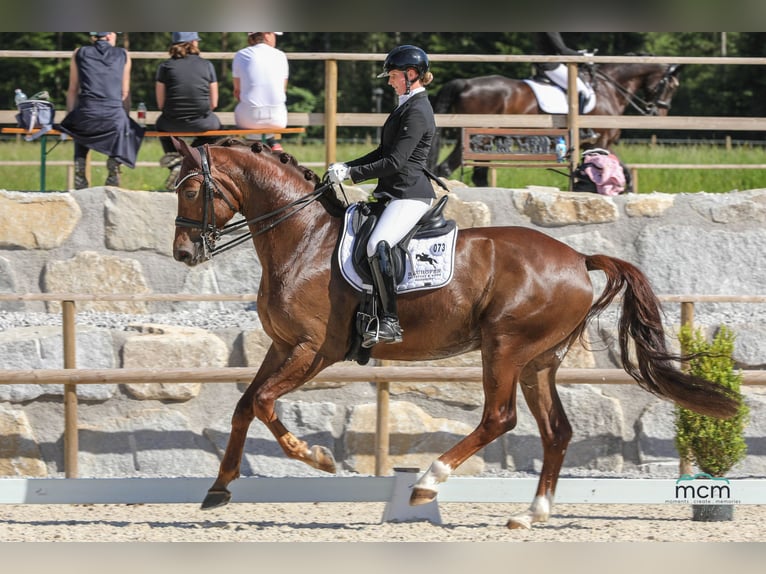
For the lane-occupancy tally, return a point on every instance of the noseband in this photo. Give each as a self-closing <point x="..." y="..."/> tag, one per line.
<point x="210" y="233"/>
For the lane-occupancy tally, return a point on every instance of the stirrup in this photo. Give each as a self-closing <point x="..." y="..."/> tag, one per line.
<point x="390" y="332"/>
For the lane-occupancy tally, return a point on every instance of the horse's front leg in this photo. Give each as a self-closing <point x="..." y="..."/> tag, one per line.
<point x="278" y="375"/>
<point x="539" y="390"/>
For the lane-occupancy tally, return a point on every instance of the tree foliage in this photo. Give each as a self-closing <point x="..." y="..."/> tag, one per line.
<point x="715" y="445"/>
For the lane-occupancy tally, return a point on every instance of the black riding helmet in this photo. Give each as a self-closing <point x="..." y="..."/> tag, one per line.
<point x="404" y="57"/>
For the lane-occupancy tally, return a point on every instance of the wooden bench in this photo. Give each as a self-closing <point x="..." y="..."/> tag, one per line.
<point x="508" y="147"/>
<point x="44" y="150"/>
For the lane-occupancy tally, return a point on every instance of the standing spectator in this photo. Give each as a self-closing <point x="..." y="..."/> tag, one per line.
<point x="187" y="93"/>
<point x="97" y="102"/>
<point x="260" y="74"/>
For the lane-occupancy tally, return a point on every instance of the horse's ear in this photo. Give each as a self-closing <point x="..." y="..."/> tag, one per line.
<point x="181" y="146"/>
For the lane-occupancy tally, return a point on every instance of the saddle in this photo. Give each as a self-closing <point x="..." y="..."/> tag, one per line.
<point x="432" y="227"/>
<point x="432" y="224"/>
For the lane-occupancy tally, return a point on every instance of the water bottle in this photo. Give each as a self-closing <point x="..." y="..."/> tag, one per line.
<point x="561" y="150"/>
<point x="142" y="114"/>
<point x="19" y="96"/>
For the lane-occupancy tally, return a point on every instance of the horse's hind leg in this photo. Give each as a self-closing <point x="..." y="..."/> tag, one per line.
<point x="538" y="383"/>
<point x="500" y="374"/>
<point x="277" y="376"/>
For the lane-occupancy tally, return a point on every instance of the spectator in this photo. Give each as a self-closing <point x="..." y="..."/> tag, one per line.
<point x="260" y="74"/>
<point x="97" y="104"/>
<point x="187" y="93"/>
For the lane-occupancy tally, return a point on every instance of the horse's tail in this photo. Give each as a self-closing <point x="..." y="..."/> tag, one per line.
<point x="442" y="104"/>
<point x="641" y="321"/>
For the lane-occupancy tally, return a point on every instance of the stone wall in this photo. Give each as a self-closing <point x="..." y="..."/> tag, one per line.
<point x="109" y="240"/>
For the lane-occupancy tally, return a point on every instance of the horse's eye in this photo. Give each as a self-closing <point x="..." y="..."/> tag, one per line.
<point x="191" y="193"/>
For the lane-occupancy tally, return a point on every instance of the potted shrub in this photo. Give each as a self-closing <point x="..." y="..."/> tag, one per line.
<point x="713" y="445"/>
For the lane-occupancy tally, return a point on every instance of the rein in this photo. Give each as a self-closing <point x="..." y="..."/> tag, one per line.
<point x="210" y="234"/>
<point x="643" y="107"/>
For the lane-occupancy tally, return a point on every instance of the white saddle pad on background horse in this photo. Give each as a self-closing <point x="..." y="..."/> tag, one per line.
<point x="553" y="100"/>
<point x="430" y="262"/>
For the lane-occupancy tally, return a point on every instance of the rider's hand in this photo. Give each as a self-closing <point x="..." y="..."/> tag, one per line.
<point x="337" y="172"/>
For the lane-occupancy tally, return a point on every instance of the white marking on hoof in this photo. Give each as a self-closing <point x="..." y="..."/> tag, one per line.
<point x="539" y="511"/>
<point x="438" y="472"/>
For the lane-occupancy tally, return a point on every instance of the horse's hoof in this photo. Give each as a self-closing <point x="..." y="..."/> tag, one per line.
<point x="215" y="498"/>
<point x="322" y="458"/>
<point x="421" y="496"/>
<point x="519" y="522"/>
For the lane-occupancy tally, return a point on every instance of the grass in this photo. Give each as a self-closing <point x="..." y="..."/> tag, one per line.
<point x="27" y="178"/>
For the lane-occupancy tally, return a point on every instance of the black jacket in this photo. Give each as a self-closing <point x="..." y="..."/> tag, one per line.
<point x="549" y="44"/>
<point x="399" y="160"/>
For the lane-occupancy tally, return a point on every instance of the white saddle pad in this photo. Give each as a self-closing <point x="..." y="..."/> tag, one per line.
<point x="553" y="100"/>
<point x="430" y="262"/>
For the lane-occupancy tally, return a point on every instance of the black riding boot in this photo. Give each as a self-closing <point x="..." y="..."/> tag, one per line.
<point x="386" y="329"/>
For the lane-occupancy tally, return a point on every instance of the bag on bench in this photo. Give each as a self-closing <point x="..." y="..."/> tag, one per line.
<point x="35" y="113"/>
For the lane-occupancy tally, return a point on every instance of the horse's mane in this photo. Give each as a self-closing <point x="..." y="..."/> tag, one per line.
<point x="329" y="200"/>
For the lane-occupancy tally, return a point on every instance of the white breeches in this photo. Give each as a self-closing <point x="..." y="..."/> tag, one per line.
<point x="398" y="218"/>
<point x="559" y="76"/>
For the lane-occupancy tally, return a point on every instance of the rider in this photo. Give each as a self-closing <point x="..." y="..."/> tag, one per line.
<point x="550" y="43"/>
<point x="398" y="163"/>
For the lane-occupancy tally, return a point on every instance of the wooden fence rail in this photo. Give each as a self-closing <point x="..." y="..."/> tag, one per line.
<point x="331" y="119"/>
<point x="70" y="377"/>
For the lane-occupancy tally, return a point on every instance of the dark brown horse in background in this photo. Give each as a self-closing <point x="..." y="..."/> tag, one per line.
<point x="518" y="295"/>
<point x="617" y="86"/>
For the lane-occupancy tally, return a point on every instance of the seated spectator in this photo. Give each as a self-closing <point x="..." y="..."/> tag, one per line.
<point x="260" y="74"/>
<point x="187" y="93"/>
<point x="97" y="104"/>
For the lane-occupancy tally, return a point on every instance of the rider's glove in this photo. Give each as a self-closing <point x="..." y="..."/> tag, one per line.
<point x="337" y="172"/>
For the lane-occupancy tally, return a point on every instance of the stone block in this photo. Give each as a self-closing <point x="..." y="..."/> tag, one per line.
<point x="157" y="346"/>
<point x="597" y="426"/>
<point x="554" y="209"/>
<point x="43" y="348"/>
<point x="416" y="439"/>
<point x="136" y="220"/>
<point x="648" y="205"/>
<point x="36" y="220"/>
<point x="92" y="272"/>
<point x="19" y="451"/>
<point x="152" y="442"/>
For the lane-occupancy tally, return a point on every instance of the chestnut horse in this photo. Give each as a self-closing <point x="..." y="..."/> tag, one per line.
<point x="617" y="86"/>
<point x="518" y="295"/>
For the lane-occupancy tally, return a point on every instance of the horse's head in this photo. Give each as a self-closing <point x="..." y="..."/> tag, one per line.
<point x="207" y="200"/>
<point x="660" y="88"/>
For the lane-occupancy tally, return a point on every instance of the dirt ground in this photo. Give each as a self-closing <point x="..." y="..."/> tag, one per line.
<point x="361" y="522"/>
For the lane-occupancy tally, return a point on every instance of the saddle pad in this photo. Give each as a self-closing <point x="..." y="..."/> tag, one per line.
<point x="430" y="262"/>
<point x="553" y="100"/>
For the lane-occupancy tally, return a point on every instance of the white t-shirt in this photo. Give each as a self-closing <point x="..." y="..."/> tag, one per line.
<point x="262" y="72"/>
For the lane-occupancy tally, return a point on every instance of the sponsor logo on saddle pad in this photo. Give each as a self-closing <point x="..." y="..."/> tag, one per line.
<point x="430" y="262"/>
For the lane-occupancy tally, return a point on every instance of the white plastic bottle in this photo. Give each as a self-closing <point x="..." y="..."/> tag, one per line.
<point x="19" y="96"/>
<point x="141" y="114"/>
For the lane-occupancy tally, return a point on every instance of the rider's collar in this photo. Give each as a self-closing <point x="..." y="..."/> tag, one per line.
<point x="404" y="97"/>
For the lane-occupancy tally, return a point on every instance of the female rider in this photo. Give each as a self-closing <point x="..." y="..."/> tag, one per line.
<point x="398" y="163"/>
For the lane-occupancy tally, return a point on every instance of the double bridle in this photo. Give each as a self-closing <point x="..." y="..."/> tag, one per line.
<point x="210" y="233"/>
<point x="655" y="103"/>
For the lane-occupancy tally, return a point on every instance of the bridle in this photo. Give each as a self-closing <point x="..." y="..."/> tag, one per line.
<point x="210" y="233"/>
<point x="655" y="103"/>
